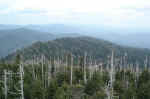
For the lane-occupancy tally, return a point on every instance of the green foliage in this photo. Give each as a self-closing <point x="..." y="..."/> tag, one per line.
<point x="63" y="92"/>
<point x="1" y="91"/>
<point x="127" y="84"/>
<point x="105" y="77"/>
<point x="100" y="95"/>
<point x="38" y="91"/>
<point x="78" y="74"/>
<point x="18" y="59"/>
<point x="51" y="91"/>
<point x="144" y="85"/>
<point x="94" y="85"/>
<point x="62" y="78"/>
<point x="119" y="87"/>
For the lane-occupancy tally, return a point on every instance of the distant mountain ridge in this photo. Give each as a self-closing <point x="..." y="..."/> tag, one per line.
<point x="9" y="26"/>
<point x="14" y="37"/>
<point x="133" y="37"/>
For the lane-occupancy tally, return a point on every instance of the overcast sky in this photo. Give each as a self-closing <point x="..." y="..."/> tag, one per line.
<point x="117" y="13"/>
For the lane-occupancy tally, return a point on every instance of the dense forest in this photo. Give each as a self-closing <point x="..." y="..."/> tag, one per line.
<point x="71" y="78"/>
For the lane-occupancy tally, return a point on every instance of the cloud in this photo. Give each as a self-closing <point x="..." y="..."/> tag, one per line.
<point x="32" y="11"/>
<point x="121" y="13"/>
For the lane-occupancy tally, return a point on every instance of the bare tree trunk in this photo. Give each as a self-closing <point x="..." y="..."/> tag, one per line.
<point x="112" y="73"/>
<point x="71" y="69"/>
<point x="101" y="66"/>
<point x="33" y="70"/>
<point x="5" y="83"/>
<point x="85" y="80"/>
<point x="146" y="61"/>
<point x="49" y="72"/>
<point x="42" y="60"/>
<point x="66" y="64"/>
<point x="21" y="76"/>
<point x="90" y="68"/>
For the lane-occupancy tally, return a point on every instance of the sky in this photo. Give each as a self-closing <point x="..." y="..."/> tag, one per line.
<point x="115" y="13"/>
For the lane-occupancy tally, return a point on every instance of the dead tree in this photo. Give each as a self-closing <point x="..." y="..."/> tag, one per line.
<point x="33" y="69"/>
<point x="112" y="75"/>
<point x="84" y="67"/>
<point x="5" y="84"/>
<point x="146" y="62"/>
<point x="42" y="68"/>
<point x="21" y="81"/>
<point x="49" y="72"/>
<point x="71" y="69"/>
<point x="90" y="68"/>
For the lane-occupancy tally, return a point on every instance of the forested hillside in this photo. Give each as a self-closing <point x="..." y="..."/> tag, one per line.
<point x="10" y="40"/>
<point x="96" y="48"/>
<point x="76" y="68"/>
<point x="13" y="39"/>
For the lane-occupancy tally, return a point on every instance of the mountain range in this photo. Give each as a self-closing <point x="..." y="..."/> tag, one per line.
<point x="13" y="37"/>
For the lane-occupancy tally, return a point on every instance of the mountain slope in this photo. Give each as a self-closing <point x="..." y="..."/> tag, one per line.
<point x="97" y="48"/>
<point x="10" y="40"/>
<point x="13" y="39"/>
